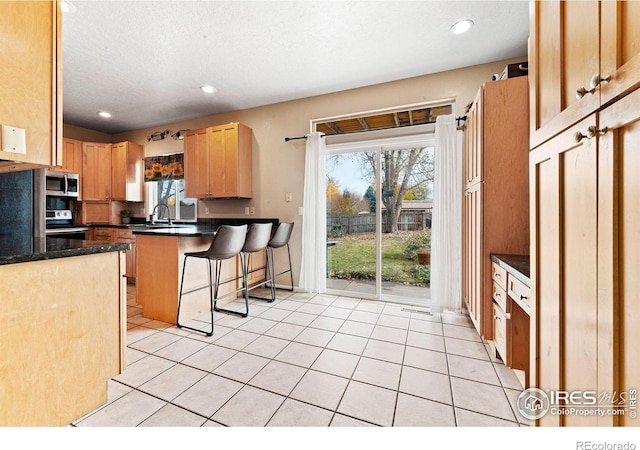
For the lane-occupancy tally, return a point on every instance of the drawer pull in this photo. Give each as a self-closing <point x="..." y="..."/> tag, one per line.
<point x="498" y="294"/>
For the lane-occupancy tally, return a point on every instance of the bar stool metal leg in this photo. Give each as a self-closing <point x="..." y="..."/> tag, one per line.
<point x="184" y="265"/>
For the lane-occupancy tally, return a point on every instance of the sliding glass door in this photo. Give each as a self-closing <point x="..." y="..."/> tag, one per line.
<point x="379" y="219"/>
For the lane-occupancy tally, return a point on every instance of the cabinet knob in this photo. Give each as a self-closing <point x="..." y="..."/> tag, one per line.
<point x="596" y="80"/>
<point x="578" y="136"/>
<point x="593" y="131"/>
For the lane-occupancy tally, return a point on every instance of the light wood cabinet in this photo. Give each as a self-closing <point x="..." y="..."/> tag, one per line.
<point x="496" y="214"/>
<point x="584" y="211"/>
<point x="126" y="236"/>
<point x="586" y="223"/>
<point x="31" y="81"/>
<point x="113" y="171"/>
<point x="71" y="160"/>
<point x="218" y="162"/>
<point x="472" y="274"/>
<point x="96" y="171"/>
<point x="579" y="43"/>
<point x="127" y="171"/>
<point x="120" y="235"/>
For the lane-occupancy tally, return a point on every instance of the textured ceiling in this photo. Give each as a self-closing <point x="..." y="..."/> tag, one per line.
<point x="144" y="61"/>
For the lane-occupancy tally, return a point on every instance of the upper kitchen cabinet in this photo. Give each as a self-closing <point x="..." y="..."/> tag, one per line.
<point x="217" y="162"/>
<point x="71" y="160"/>
<point x="592" y="48"/>
<point x="127" y="171"/>
<point x="112" y="171"/>
<point x="31" y="81"/>
<point x="96" y="171"/>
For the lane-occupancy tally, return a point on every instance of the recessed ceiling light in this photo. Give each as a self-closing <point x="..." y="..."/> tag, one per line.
<point x="208" y="89"/>
<point x="462" y="27"/>
<point x="67" y="7"/>
<point x="104" y="114"/>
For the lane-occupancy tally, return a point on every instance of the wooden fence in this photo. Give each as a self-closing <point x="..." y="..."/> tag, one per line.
<point x="366" y="223"/>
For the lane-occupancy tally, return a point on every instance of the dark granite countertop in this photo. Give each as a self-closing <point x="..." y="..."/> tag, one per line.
<point x="18" y="249"/>
<point x="518" y="265"/>
<point x="204" y="227"/>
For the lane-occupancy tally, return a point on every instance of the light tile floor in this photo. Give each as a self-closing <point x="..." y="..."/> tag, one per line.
<point x="310" y="360"/>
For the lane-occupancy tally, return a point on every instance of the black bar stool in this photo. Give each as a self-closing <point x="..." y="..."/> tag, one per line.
<point x="227" y="243"/>
<point x="279" y="239"/>
<point x="257" y="239"/>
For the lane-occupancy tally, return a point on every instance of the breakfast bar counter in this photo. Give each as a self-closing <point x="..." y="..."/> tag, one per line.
<point x="159" y="263"/>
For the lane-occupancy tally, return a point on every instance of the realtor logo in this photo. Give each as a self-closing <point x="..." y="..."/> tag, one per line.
<point x="533" y="403"/>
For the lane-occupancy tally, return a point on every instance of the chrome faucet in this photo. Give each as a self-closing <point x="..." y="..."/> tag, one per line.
<point x="154" y="216"/>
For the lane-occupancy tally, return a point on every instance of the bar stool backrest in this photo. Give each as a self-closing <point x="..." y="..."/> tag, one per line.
<point x="257" y="237"/>
<point x="228" y="241"/>
<point x="281" y="236"/>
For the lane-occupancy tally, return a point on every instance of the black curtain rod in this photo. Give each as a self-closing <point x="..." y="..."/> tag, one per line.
<point x="458" y="119"/>
<point x="287" y="139"/>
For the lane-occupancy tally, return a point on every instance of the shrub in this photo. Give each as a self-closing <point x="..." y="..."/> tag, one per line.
<point x="422" y="274"/>
<point x="416" y="242"/>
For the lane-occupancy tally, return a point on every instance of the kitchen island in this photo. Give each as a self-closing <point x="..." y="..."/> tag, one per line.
<point x="63" y="328"/>
<point x="159" y="260"/>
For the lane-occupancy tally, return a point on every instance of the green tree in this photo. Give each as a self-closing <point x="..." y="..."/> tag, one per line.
<point x="401" y="170"/>
<point x="370" y="195"/>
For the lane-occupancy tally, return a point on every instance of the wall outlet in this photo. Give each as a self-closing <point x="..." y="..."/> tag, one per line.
<point x="300" y="210"/>
<point x="288" y="197"/>
<point x="206" y="210"/>
<point x="252" y="211"/>
<point x="246" y="211"/>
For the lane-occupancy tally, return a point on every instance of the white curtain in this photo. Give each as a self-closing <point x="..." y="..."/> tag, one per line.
<point x="314" y="220"/>
<point x="446" y="231"/>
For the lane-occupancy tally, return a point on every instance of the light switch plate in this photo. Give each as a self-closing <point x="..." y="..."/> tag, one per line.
<point x="14" y="139"/>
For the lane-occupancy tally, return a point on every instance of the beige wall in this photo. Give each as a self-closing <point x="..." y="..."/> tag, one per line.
<point x="82" y="134"/>
<point x="278" y="166"/>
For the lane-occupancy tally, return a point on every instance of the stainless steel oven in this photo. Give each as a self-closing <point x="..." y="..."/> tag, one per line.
<point x="59" y="223"/>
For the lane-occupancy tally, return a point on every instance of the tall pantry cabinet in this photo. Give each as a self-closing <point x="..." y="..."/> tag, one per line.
<point x="496" y="215"/>
<point x="585" y="214"/>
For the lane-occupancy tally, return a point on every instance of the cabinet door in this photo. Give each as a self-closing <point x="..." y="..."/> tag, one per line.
<point x="564" y="310"/>
<point x="71" y="160"/>
<point x="119" y="171"/>
<point x="31" y="78"/>
<point x="620" y="44"/>
<point x="196" y="164"/>
<point x="473" y="143"/>
<point x="217" y="154"/>
<point x="473" y="255"/>
<point x="96" y="165"/>
<point x="564" y="56"/>
<point x="618" y="250"/>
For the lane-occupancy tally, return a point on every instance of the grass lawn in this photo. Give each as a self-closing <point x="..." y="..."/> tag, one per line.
<point x="355" y="258"/>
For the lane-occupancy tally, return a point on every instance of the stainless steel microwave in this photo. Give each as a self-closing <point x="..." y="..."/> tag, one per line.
<point x="62" y="184"/>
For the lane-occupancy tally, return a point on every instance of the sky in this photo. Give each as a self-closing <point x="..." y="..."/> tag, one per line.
<point x="347" y="174"/>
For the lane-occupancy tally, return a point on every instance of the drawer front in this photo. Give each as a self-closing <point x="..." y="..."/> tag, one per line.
<point x="500" y="331"/>
<point x="124" y="234"/>
<point x="499" y="275"/>
<point x="102" y="234"/>
<point x="500" y="296"/>
<point x="518" y="290"/>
